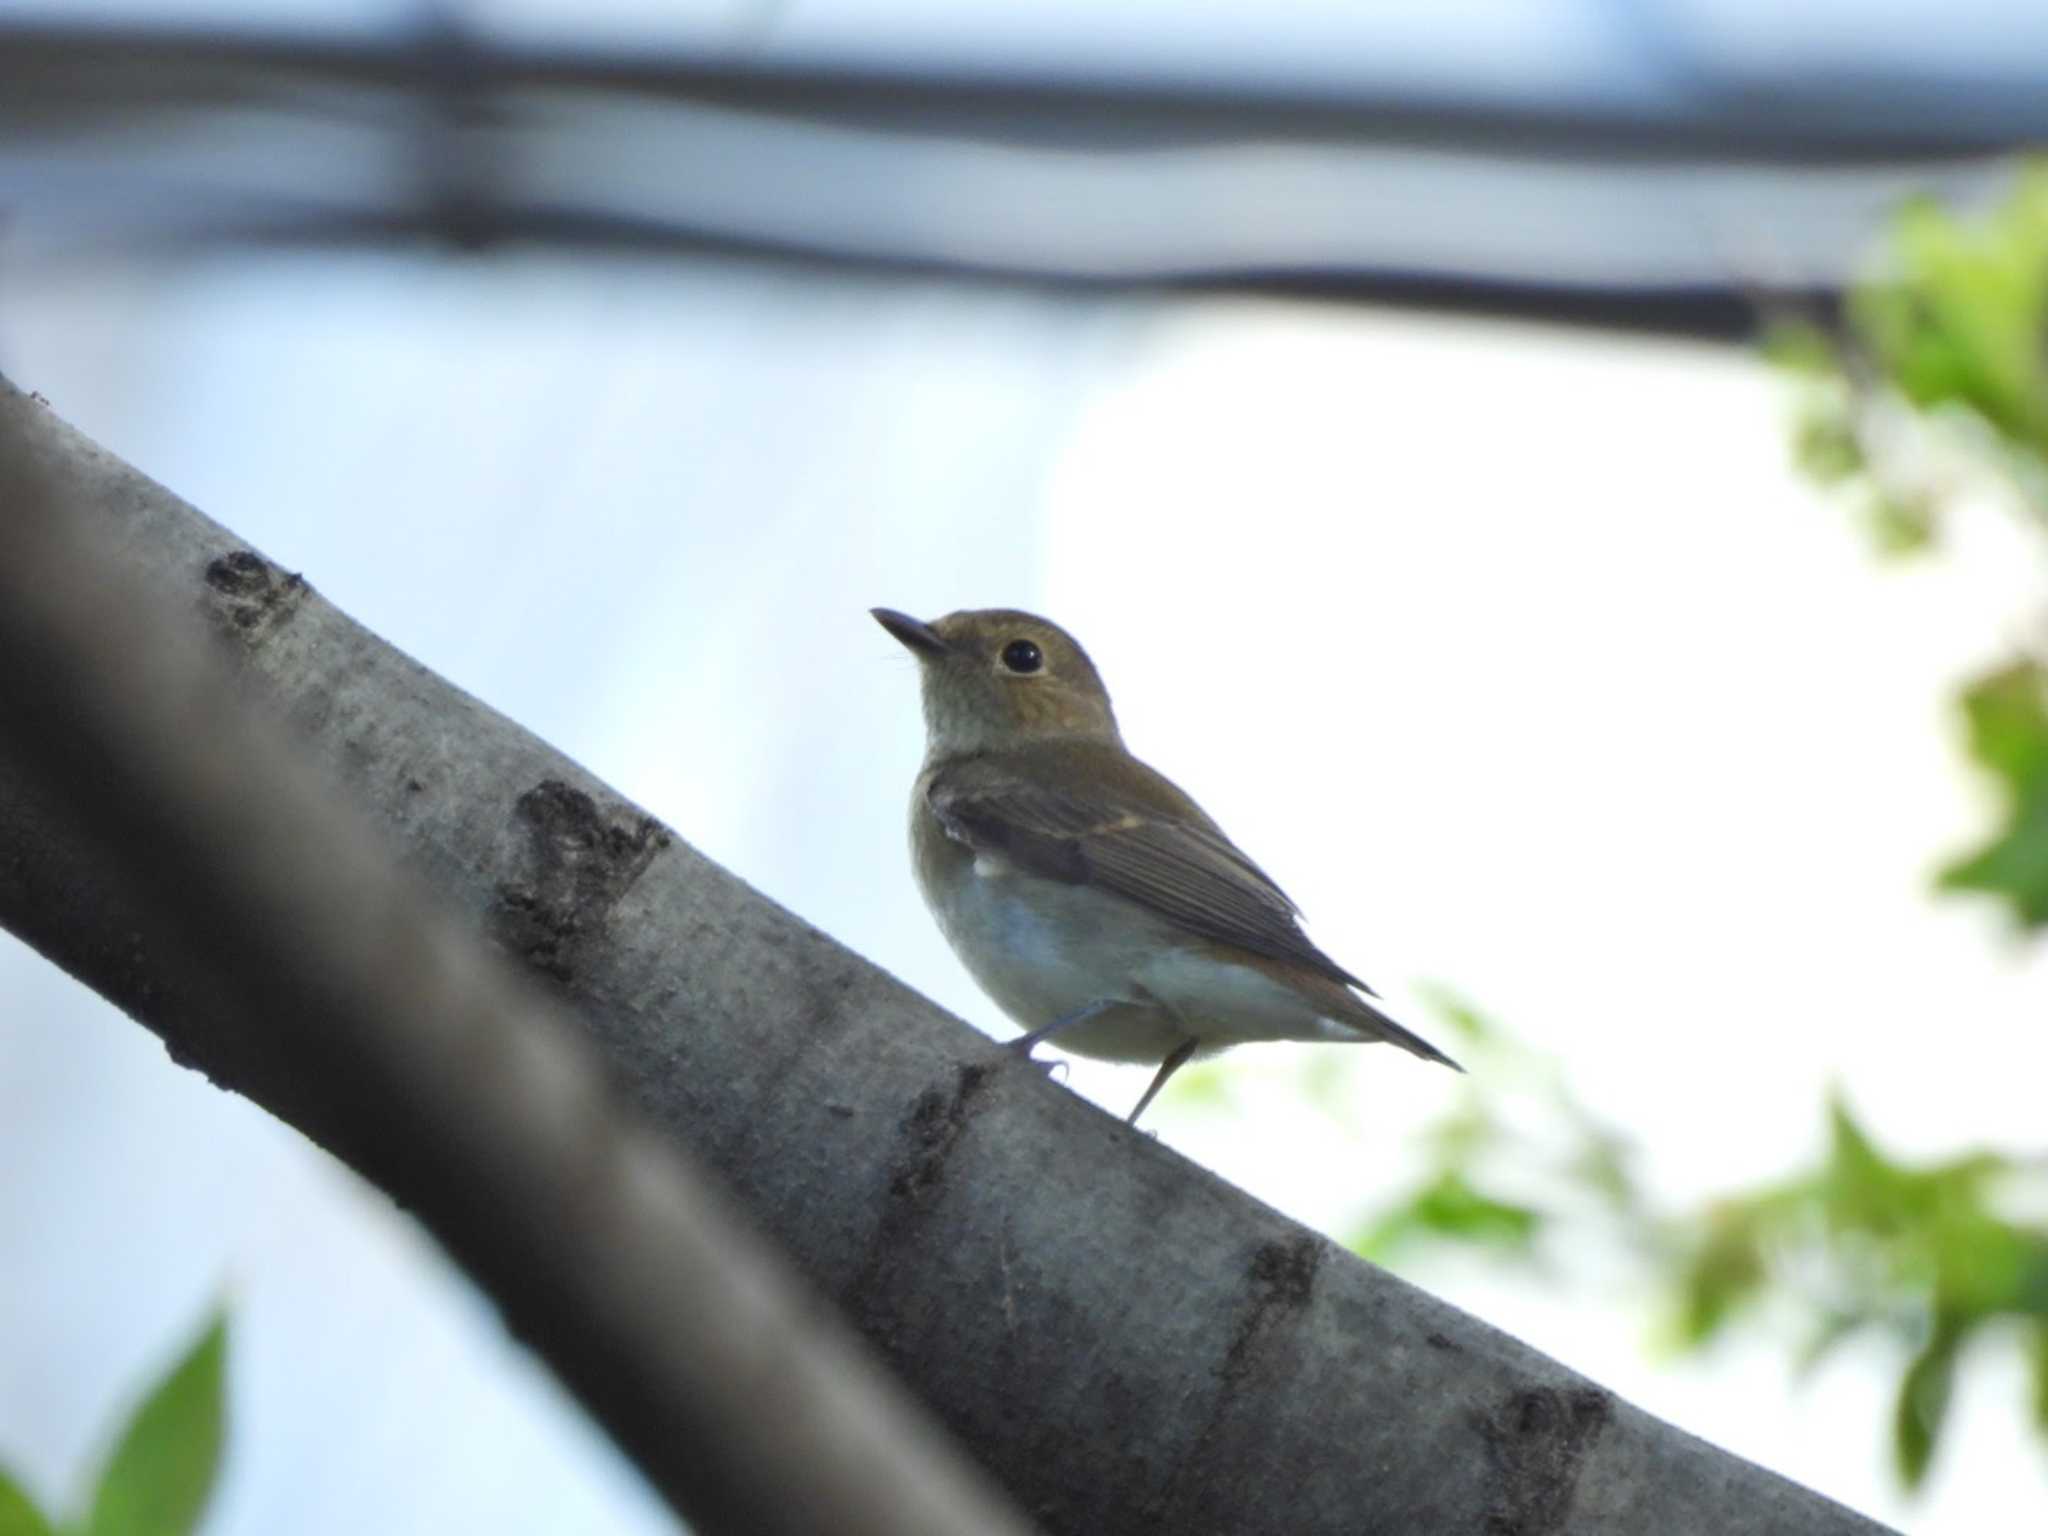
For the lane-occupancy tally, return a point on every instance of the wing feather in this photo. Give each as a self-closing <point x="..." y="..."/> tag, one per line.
<point x="1148" y="844"/>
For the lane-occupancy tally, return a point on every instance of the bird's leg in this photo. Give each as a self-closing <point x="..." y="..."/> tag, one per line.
<point x="1023" y="1043"/>
<point x="1173" y="1063"/>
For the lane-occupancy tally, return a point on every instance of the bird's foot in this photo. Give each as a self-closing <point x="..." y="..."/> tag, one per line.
<point x="1053" y="1067"/>
<point x="1020" y="1047"/>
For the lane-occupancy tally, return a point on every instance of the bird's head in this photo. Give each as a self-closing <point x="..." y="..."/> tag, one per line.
<point x="995" y="677"/>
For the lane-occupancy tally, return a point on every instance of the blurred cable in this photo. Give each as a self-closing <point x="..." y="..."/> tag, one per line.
<point x="339" y="989"/>
<point x="1668" y="216"/>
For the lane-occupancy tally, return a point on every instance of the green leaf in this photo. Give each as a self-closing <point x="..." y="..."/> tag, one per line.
<point x="1923" y="1402"/>
<point x="18" y="1513"/>
<point x="2012" y="867"/>
<point x="1900" y="522"/>
<point x="1824" y="443"/>
<point x="162" y="1470"/>
<point x="1960" y="316"/>
<point x="1722" y="1275"/>
<point x="1803" y="348"/>
<point x="1831" y="1331"/>
<point x="1862" y="1190"/>
<point x="1455" y="1208"/>
<point x="2007" y="715"/>
<point x="2007" y="718"/>
<point x="1449" y="1206"/>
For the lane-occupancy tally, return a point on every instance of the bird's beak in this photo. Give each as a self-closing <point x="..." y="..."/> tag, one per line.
<point x="914" y="633"/>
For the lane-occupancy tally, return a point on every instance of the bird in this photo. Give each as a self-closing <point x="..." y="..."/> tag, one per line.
<point x="1087" y="894"/>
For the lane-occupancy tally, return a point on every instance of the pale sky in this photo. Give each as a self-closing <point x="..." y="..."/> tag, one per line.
<point x="1519" y="657"/>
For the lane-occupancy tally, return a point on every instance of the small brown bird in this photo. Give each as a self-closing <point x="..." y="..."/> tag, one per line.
<point x="1086" y="893"/>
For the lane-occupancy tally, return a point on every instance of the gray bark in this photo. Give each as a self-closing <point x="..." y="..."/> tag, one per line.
<point x="340" y="992"/>
<point x="1128" y="1343"/>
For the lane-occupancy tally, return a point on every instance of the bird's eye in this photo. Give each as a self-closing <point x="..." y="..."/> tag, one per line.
<point x="1023" y="656"/>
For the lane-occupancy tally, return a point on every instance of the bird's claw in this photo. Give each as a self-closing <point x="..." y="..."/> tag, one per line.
<point x="1021" y="1047"/>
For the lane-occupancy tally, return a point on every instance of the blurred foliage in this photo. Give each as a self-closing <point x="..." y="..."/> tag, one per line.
<point x="1930" y="396"/>
<point x="2007" y="710"/>
<point x="1924" y="1256"/>
<point x="1497" y="1178"/>
<point x="18" y="1513"/>
<point x="160" y="1474"/>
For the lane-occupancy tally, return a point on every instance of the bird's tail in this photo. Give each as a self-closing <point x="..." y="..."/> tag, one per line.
<point x="1370" y="1021"/>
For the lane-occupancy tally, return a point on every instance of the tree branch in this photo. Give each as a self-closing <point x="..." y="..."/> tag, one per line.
<point x="1130" y="1344"/>
<point x="338" y="995"/>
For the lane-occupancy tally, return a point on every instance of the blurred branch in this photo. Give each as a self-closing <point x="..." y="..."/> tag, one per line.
<point x="129" y="67"/>
<point x="140" y="138"/>
<point x="1129" y="1344"/>
<point x="351" y="1004"/>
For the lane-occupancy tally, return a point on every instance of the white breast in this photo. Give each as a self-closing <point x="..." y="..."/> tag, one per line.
<point x="1029" y="943"/>
<point x="1044" y="950"/>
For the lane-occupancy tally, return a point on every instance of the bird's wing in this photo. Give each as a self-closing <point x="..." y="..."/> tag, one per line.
<point x="1144" y="841"/>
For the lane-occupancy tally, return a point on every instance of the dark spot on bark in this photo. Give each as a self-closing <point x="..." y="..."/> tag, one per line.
<point x="238" y="574"/>
<point x="930" y="1131"/>
<point x="255" y="593"/>
<point x="579" y="861"/>
<point x="1282" y="1278"/>
<point x="1536" y="1441"/>
<point x="916" y="1177"/>
<point x="1440" y="1341"/>
<point x="1286" y="1272"/>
